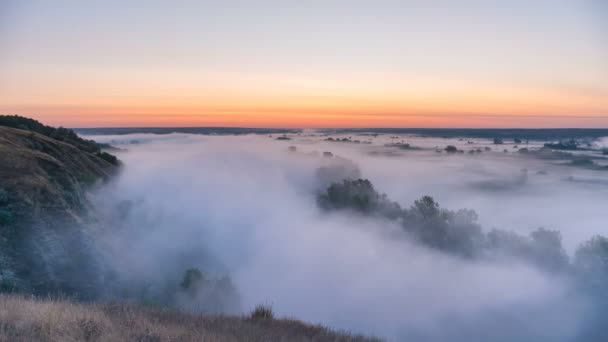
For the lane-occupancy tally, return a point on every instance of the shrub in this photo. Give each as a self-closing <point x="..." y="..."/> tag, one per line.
<point x="451" y="149"/>
<point x="262" y="312"/>
<point x="358" y="195"/>
<point x="192" y="279"/>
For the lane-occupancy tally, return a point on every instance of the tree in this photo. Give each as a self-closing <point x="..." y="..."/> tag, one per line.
<point x="358" y="195"/>
<point x="452" y="232"/>
<point x="451" y="149"/>
<point x="425" y="208"/>
<point x="591" y="257"/>
<point x="547" y="249"/>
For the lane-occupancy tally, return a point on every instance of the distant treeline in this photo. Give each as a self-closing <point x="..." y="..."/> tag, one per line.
<point x="484" y="133"/>
<point x="188" y="130"/>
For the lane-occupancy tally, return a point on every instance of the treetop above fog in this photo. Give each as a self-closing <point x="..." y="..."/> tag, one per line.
<point x="459" y="233"/>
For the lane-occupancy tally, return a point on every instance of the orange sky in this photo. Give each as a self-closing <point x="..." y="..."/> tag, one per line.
<point x="376" y="64"/>
<point x="281" y="102"/>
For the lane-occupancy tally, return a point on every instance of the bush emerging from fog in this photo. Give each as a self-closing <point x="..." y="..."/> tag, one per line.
<point x="199" y="292"/>
<point x="262" y="312"/>
<point x="360" y="196"/>
<point x="192" y="279"/>
<point x="591" y="261"/>
<point x="451" y="149"/>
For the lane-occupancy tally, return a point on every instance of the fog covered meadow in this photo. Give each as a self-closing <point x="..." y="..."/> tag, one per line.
<point x="245" y="210"/>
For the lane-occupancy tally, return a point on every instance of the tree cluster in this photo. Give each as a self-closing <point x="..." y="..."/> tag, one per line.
<point x="459" y="233"/>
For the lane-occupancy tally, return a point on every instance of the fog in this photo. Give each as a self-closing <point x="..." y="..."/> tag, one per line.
<point x="246" y="207"/>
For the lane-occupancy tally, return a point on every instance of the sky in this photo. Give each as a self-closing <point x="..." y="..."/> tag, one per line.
<point x="311" y="63"/>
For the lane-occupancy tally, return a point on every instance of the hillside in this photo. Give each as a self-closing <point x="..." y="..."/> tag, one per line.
<point x="47" y="250"/>
<point x="23" y="319"/>
<point x="42" y="175"/>
<point x="43" y="186"/>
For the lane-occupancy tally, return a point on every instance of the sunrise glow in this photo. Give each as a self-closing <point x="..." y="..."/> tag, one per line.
<point x="324" y="64"/>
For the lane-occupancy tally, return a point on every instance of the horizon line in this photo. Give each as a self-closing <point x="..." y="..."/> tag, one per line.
<point x="339" y="128"/>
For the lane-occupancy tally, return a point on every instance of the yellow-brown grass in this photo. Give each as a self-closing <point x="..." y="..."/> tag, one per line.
<point x="29" y="319"/>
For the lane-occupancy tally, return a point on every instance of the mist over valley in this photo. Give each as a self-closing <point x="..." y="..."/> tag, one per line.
<point x="288" y="218"/>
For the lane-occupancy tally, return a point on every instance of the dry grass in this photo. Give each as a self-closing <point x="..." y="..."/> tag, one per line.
<point x="28" y="319"/>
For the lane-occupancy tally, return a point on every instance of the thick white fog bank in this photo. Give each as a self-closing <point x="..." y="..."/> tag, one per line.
<point x="244" y="206"/>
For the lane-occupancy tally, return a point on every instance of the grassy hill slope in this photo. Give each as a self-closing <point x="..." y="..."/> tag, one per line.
<point x="26" y="319"/>
<point x="43" y="186"/>
<point x="42" y="175"/>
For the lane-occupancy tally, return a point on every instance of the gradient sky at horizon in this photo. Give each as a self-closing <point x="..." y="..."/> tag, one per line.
<point x="306" y="63"/>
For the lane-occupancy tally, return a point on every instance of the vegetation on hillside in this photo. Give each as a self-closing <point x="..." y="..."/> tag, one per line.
<point x="61" y="134"/>
<point x="28" y="319"/>
<point x="44" y="176"/>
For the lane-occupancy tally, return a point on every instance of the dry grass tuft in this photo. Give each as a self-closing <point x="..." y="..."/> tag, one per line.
<point x="29" y="319"/>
